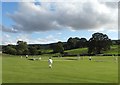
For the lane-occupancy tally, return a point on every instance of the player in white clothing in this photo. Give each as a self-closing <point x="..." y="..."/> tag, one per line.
<point x="50" y="61"/>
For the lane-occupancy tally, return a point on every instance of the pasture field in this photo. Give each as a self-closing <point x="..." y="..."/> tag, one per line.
<point x="102" y="69"/>
<point x="114" y="50"/>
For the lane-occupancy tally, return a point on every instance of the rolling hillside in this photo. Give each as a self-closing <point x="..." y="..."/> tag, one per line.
<point x="114" y="50"/>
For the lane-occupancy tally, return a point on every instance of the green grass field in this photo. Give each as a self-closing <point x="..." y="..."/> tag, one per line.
<point x="65" y="70"/>
<point x="114" y="50"/>
<point x="0" y="68"/>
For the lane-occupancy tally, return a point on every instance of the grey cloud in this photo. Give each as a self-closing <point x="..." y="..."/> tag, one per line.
<point x="32" y="20"/>
<point x="112" y="4"/>
<point x="88" y="15"/>
<point x="6" y="29"/>
<point x="88" y="18"/>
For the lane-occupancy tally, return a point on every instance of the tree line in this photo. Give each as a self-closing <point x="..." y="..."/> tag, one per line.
<point x="96" y="44"/>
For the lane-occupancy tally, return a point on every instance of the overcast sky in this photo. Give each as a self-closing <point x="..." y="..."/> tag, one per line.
<point x="48" y="22"/>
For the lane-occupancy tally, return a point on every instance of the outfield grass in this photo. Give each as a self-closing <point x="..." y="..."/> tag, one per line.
<point x="0" y="68"/>
<point x="65" y="70"/>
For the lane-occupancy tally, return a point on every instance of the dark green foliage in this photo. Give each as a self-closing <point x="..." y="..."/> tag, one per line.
<point x="10" y="49"/>
<point x="73" y="43"/>
<point x="82" y="43"/>
<point x="33" y="50"/>
<point x="22" y="48"/>
<point x="58" y="47"/>
<point x="19" y="52"/>
<point x="116" y="42"/>
<point x="98" y="42"/>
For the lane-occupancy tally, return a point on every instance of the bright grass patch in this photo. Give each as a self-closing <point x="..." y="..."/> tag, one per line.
<point x="65" y="70"/>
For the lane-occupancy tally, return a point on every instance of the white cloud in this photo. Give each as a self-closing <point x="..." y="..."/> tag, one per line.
<point x="8" y="39"/>
<point x="87" y="15"/>
<point x="104" y="30"/>
<point x="59" y="33"/>
<point x="46" y="40"/>
<point x="11" y="39"/>
<point x="7" y="36"/>
<point x="23" y="37"/>
<point x="17" y="0"/>
<point x="56" y="0"/>
<point x="98" y="30"/>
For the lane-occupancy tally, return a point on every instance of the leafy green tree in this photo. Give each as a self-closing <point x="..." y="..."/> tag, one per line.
<point x="26" y="51"/>
<point x="58" y="47"/>
<point x="22" y="48"/>
<point x="98" y="42"/>
<point x="19" y="52"/>
<point x="72" y="42"/>
<point x="9" y="49"/>
<point x="33" y="50"/>
<point x="82" y="43"/>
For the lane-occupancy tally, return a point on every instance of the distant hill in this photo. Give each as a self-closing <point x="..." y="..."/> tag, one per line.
<point x="47" y="48"/>
<point x="0" y="47"/>
<point x="114" y="50"/>
<point x="77" y="51"/>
